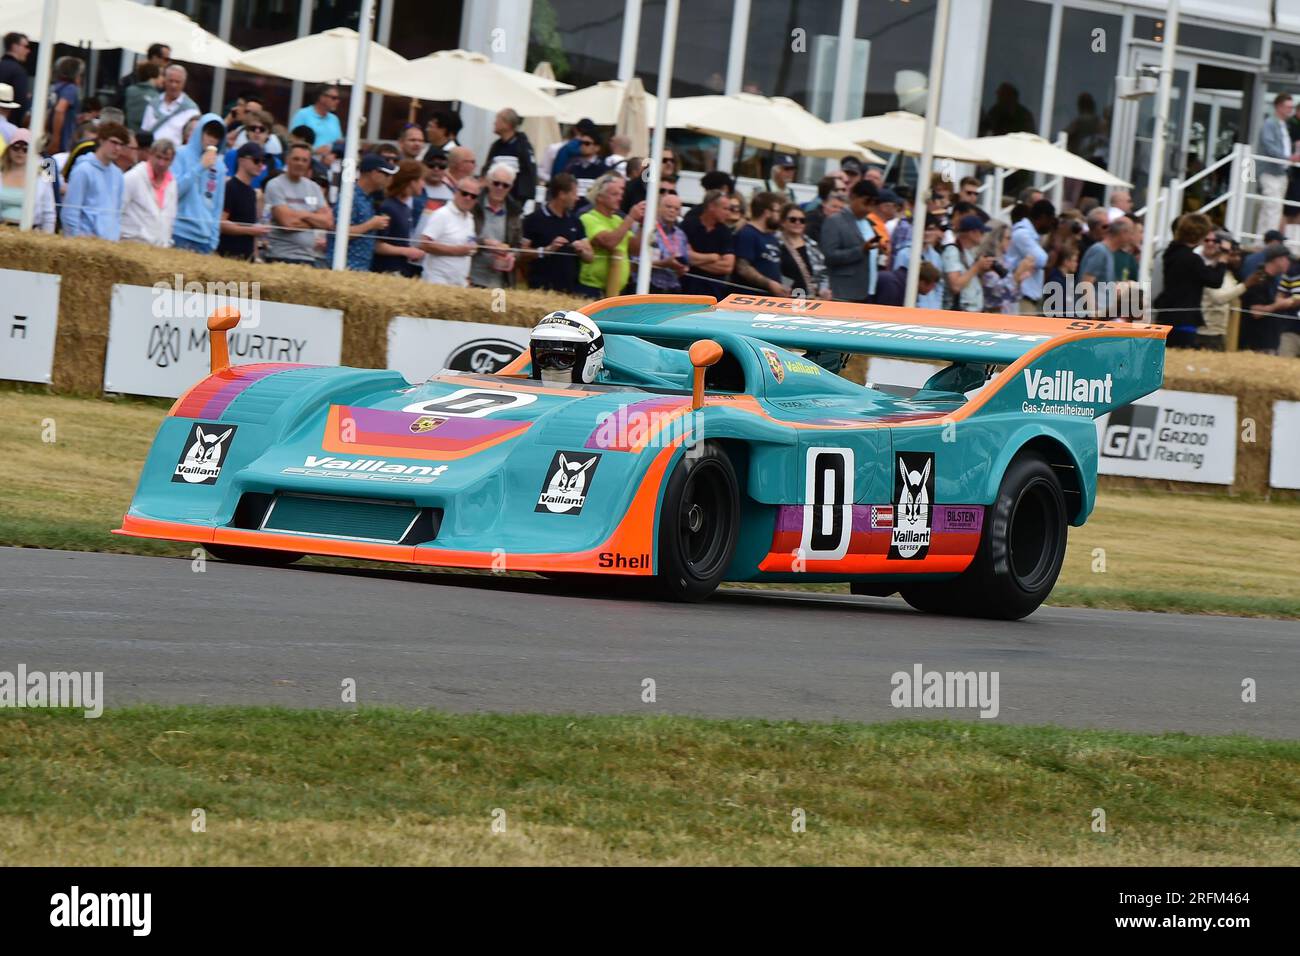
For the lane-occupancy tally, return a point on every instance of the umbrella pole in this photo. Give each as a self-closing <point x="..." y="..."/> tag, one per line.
<point x="413" y="110"/>
<point x="356" y="104"/>
<point x="40" y="100"/>
<point x="937" y="50"/>
<point x="735" y="162"/>
<point x="661" y="133"/>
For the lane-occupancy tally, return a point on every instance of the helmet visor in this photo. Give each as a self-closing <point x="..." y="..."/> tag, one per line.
<point x="556" y="356"/>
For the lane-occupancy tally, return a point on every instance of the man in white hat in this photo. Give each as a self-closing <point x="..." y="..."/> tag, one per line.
<point x="7" y="105"/>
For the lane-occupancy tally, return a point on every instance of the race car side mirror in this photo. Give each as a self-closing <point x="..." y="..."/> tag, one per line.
<point x="703" y="353"/>
<point x="219" y="323"/>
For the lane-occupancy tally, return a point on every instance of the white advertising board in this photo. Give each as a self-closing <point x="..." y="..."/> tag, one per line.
<point x="29" y="324"/>
<point x="1284" y="465"/>
<point x="419" y="347"/>
<point x="158" y="336"/>
<point x="1182" y="436"/>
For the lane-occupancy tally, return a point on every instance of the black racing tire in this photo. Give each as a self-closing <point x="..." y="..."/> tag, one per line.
<point x="262" y="557"/>
<point x="698" y="525"/>
<point x="1020" y="552"/>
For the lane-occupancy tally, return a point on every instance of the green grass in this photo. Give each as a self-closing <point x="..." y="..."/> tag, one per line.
<point x="386" y="786"/>
<point x="1160" y="551"/>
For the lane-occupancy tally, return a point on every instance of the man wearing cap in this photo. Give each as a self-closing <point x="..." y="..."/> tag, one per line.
<point x="885" y="211"/>
<point x="963" y="268"/>
<point x="1260" y="330"/>
<point x="782" y="175"/>
<point x="375" y="175"/>
<point x="240" y="229"/>
<point x="1255" y="260"/>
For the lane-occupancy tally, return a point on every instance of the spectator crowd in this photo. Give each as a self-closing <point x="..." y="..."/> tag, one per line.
<point x="154" y="168"/>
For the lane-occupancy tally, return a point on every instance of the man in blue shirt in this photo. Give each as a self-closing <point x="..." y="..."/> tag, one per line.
<point x="320" y="118"/>
<point x="758" y="250"/>
<point x="376" y="173"/>
<point x="93" y="203"/>
<point x="1025" y="242"/>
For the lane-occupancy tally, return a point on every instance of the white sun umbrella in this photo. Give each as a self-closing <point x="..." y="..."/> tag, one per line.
<point x="765" y="122"/>
<point x="633" y="120"/>
<point x="1033" y="153"/>
<point x="469" y="77"/>
<point x="600" y="103"/>
<point x="328" y="57"/>
<point x="542" y="131"/>
<point x="119" y="24"/>
<point x="901" y="132"/>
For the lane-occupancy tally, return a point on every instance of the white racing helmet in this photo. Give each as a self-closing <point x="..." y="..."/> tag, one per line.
<point x="567" y="347"/>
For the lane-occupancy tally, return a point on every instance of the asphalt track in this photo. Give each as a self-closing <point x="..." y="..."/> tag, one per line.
<point x="163" y="633"/>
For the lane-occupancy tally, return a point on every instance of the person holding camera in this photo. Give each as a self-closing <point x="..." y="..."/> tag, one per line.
<point x="1001" y="284"/>
<point x="964" y="265"/>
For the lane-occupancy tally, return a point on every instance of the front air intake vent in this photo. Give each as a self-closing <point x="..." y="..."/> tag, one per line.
<point x="352" y="519"/>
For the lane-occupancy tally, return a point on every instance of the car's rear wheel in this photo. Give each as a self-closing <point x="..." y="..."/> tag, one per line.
<point x="698" y="525"/>
<point x="263" y="557"/>
<point x="1020" y="552"/>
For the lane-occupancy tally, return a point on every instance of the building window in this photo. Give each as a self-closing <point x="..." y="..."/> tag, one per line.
<point x="414" y="34"/>
<point x="782" y="62"/>
<point x="258" y="23"/>
<point x="579" y="39"/>
<point x="1284" y="58"/>
<point x="1085" y="88"/>
<point x="899" y="37"/>
<point x="1196" y="37"/>
<point x="1015" y="67"/>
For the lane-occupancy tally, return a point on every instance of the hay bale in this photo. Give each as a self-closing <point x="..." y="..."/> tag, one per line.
<point x="91" y="267"/>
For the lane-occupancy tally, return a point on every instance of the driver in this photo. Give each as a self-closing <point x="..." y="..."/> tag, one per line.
<point x="567" y="347"/>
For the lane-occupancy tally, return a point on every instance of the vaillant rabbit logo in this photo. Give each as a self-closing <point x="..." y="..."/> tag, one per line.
<point x="564" y="490"/>
<point x="205" y="449"/>
<point x="913" y="505"/>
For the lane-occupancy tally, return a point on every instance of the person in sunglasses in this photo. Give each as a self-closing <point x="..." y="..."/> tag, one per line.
<point x="240" y="229"/>
<point x="498" y="223"/>
<point x="448" y="237"/>
<point x="587" y="167"/>
<point x="257" y="129"/>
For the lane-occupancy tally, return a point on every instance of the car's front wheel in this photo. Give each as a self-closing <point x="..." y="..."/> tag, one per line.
<point x="1020" y="552"/>
<point x="698" y="525"/>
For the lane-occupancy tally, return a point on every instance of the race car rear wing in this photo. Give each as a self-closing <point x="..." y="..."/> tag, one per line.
<point x="1056" y="357"/>
<point x="814" y="324"/>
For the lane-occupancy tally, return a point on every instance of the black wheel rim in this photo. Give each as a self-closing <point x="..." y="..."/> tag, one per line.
<point x="704" y="519"/>
<point x="1035" y="535"/>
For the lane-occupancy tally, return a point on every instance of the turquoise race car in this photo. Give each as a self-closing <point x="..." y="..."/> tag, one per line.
<point x="709" y="443"/>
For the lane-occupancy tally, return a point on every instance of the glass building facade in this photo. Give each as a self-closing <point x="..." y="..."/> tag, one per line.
<point x="1042" y="66"/>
